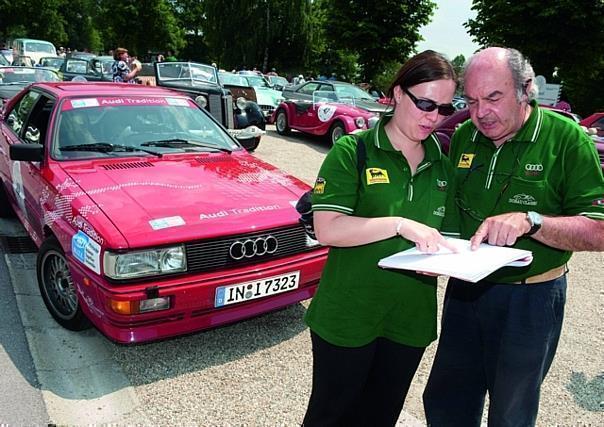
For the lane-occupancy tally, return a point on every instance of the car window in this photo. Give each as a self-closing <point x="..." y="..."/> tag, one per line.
<point x="76" y="66"/>
<point x="134" y="122"/>
<point x="37" y="124"/>
<point x="17" y="117"/>
<point x="308" y="88"/>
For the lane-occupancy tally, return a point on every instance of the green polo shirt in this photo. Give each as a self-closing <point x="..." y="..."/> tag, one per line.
<point x="550" y="166"/>
<point x="357" y="301"/>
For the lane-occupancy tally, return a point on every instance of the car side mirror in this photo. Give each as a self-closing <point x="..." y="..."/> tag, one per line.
<point x="27" y="152"/>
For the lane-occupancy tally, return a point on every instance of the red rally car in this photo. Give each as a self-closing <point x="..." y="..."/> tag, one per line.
<point x="151" y="220"/>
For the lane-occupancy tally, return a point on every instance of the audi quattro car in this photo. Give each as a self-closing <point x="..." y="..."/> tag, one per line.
<point x="327" y="114"/>
<point x="151" y="220"/>
<point x="243" y="118"/>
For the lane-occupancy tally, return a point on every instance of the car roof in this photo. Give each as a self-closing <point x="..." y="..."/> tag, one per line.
<point x="72" y="89"/>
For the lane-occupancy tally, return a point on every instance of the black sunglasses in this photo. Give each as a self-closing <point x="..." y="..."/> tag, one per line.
<point x="428" y="105"/>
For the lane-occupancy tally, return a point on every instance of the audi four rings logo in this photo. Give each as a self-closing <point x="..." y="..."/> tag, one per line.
<point x="533" y="168"/>
<point x="253" y="247"/>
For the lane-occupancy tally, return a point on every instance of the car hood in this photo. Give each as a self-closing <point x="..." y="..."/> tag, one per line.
<point x="268" y="96"/>
<point x="184" y="198"/>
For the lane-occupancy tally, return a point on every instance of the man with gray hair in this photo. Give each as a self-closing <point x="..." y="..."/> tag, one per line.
<point x="527" y="178"/>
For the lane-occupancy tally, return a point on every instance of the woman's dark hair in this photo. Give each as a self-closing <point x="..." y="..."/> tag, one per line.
<point x="423" y="67"/>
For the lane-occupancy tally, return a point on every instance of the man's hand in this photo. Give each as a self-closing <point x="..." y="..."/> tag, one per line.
<point x="501" y="230"/>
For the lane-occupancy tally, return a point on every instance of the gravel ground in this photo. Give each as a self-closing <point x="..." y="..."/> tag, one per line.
<point x="258" y="372"/>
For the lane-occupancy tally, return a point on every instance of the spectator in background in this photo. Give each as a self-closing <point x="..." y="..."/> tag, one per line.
<point x="120" y="68"/>
<point x="160" y="58"/>
<point x="272" y="72"/>
<point x="170" y="57"/>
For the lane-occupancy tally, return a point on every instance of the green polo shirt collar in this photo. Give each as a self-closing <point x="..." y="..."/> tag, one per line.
<point x="529" y="132"/>
<point x="431" y="144"/>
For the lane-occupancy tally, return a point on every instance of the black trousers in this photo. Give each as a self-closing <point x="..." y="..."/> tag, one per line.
<point x="360" y="386"/>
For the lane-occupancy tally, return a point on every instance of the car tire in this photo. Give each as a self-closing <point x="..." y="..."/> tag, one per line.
<point x="281" y="123"/>
<point x="336" y="131"/>
<point x="6" y="211"/>
<point x="57" y="287"/>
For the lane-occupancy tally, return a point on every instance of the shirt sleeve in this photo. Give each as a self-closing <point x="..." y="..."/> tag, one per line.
<point x="584" y="182"/>
<point x="336" y="187"/>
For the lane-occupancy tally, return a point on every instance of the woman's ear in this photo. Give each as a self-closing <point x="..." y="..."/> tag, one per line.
<point x="398" y="94"/>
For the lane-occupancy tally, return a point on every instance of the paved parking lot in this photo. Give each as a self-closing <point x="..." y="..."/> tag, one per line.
<point x="258" y="372"/>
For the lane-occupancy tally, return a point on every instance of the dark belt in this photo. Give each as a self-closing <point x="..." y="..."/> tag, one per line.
<point x="552" y="274"/>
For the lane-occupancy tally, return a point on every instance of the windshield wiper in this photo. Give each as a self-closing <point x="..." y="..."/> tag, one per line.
<point x="177" y="142"/>
<point x="105" y="147"/>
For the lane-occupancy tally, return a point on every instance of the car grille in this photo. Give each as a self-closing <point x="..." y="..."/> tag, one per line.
<point x="207" y="255"/>
<point x="267" y="109"/>
<point x="221" y="108"/>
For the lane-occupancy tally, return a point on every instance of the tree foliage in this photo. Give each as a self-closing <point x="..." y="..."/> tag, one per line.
<point x="378" y="32"/>
<point x="566" y="35"/>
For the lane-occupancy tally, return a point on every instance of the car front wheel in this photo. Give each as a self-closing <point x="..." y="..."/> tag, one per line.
<point x="281" y="123"/>
<point x="57" y="287"/>
<point x="336" y="131"/>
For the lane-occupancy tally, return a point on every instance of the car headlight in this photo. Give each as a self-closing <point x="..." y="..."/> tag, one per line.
<point x="360" y="122"/>
<point x="150" y="262"/>
<point x="372" y="122"/>
<point x="201" y="101"/>
<point x="241" y="103"/>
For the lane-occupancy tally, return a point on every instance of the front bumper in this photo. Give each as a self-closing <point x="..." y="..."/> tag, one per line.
<point x="192" y="299"/>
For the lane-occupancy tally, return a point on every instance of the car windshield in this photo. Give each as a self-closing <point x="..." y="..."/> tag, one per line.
<point x="134" y="126"/>
<point x="54" y="63"/>
<point x="16" y="75"/>
<point x="232" y="79"/>
<point x="351" y="91"/>
<point x="279" y="80"/>
<point x="186" y="71"/>
<point x="257" y="81"/>
<point x="39" y="47"/>
<point x="3" y="59"/>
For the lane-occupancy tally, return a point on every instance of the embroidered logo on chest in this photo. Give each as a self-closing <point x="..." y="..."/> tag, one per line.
<point x="465" y="161"/>
<point x="377" y="176"/>
<point x="531" y="169"/>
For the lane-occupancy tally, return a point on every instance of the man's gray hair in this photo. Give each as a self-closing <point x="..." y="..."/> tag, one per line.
<point x="522" y="74"/>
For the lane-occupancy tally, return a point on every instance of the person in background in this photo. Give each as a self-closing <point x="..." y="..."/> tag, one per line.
<point x="526" y="178"/>
<point x="170" y="57"/>
<point x="370" y="326"/>
<point x="121" y="69"/>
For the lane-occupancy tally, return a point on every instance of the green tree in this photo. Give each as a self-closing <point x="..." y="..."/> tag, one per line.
<point x="566" y="34"/>
<point x="379" y="32"/>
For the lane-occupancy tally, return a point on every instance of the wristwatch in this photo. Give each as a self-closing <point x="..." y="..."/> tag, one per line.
<point x="535" y="220"/>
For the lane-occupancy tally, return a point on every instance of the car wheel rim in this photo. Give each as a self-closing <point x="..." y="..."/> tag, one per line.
<point x="58" y="285"/>
<point x="281" y="122"/>
<point x="336" y="134"/>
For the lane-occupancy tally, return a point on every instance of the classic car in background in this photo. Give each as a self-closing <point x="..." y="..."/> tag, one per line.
<point x="13" y="79"/>
<point x="277" y="82"/>
<point x="244" y="119"/>
<point x="151" y="221"/>
<point x="327" y="114"/>
<point x="52" y="62"/>
<point x="88" y="67"/>
<point x="254" y="88"/>
<point x="305" y="91"/>
<point x="595" y="121"/>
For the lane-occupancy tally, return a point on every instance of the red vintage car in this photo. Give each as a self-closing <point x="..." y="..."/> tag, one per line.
<point x="327" y="115"/>
<point x="151" y="220"/>
<point x="596" y="121"/>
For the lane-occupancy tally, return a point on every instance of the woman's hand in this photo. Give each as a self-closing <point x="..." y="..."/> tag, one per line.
<point x="426" y="239"/>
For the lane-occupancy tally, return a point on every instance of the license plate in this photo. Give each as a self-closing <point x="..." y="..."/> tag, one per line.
<point x="226" y="295"/>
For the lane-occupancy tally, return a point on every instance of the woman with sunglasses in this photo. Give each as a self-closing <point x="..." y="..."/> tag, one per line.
<point x="369" y="326"/>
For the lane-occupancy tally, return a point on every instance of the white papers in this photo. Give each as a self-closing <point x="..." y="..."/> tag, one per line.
<point x="467" y="264"/>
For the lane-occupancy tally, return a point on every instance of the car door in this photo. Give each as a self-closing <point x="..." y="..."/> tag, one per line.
<point x="304" y="114"/>
<point x="29" y="123"/>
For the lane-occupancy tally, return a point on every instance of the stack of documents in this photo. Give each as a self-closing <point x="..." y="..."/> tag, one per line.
<point x="466" y="264"/>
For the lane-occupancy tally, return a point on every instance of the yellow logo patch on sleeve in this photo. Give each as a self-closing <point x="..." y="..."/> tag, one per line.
<point x="319" y="187"/>
<point x="377" y="176"/>
<point x="465" y="161"/>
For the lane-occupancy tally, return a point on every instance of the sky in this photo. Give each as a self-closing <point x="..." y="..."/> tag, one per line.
<point x="446" y="33"/>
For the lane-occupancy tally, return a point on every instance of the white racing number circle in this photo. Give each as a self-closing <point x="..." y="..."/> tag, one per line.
<point x="253" y="247"/>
